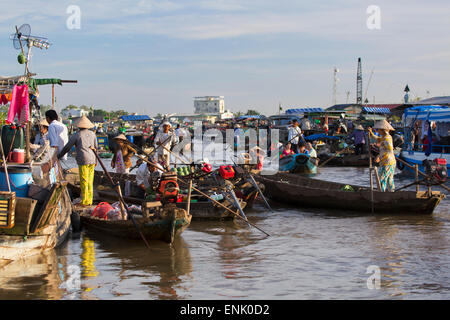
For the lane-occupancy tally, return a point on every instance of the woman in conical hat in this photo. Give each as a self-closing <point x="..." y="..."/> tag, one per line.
<point x="83" y="140"/>
<point x="386" y="157"/>
<point x="121" y="160"/>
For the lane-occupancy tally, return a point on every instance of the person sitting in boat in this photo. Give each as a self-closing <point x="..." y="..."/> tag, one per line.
<point x="359" y="139"/>
<point x="258" y="154"/>
<point x="386" y="156"/>
<point x="147" y="178"/>
<point x="164" y="141"/>
<point x="121" y="160"/>
<point x="310" y="150"/>
<point x="287" y="151"/>
<point x="302" y="148"/>
<point x="84" y="140"/>
<point x="41" y="138"/>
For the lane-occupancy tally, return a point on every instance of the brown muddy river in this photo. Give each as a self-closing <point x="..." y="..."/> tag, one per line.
<point x="311" y="254"/>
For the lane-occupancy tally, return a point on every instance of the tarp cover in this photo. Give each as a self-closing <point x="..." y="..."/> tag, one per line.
<point x="431" y="113"/>
<point x="304" y="110"/>
<point x="135" y="118"/>
<point x="376" y="110"/>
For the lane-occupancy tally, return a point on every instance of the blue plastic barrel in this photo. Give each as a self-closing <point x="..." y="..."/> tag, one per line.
<point x="19" y="179"/>
<point x="130" y="138"/>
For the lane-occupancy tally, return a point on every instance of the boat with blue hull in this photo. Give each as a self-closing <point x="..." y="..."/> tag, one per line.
<point x="424" y="116"/>
<point x="299" y="163"/>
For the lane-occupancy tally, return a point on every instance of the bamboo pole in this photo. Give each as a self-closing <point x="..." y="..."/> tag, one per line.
<point x="188" y="204"/>
<point x="416" y="170"/>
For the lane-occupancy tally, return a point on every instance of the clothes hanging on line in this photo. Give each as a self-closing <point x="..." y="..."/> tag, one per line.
<point x="19" y="104"/>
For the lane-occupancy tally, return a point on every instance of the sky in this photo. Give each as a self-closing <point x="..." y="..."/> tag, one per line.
<point x="155" y="56"/>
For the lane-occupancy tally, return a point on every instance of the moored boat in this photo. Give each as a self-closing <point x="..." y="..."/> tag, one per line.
<point x="299" y="163"/>
<point x="304" y="191"/>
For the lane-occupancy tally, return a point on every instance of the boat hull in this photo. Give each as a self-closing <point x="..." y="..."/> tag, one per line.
<point x="297" y="190"/>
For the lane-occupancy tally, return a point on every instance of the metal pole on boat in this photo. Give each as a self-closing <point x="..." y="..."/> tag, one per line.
<point x="120" y="197"/>
<point x="236" y="202"/>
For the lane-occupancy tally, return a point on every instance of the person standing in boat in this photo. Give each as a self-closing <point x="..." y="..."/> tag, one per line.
<point x="305" y="124"/>
<point x="386" y="157"/>
<point x="58" y="134"/>
<point x="294" y="135"/>
<point x="164" y="141"/>
<point x="84" y="140"/>
<point x="121" y="160"/>
<point x="360" y="139"/>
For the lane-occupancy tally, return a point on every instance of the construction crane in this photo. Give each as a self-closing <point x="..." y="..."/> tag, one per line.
<point x="368" y="84"/>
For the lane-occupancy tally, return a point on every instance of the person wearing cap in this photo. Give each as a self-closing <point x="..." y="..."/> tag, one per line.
<point x="121" y="160"/>
<point x="360" y="139"/>
<point x="164" y="141"/>
<point x="294" y="134"/>
<point x="386" y="157"/>
<point x="58" y="135"/>
<point x="83" y="140"/>
<point x="41" y="138"/>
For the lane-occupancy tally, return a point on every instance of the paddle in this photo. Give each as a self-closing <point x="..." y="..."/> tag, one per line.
<point x="119" y="194"/>
<point x="203" y="194"/>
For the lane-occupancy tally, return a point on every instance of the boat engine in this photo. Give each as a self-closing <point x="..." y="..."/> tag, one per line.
<point x="168" y="187"/>
<point x="436" y="169"/>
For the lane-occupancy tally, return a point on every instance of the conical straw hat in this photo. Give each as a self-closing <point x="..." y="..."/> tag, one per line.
<point x="120" y="137"/>
<point x="44" y="123"/>
<point x="383" y="124"/>
<point x="85" y="123"/>
<point x="359" y="127"/>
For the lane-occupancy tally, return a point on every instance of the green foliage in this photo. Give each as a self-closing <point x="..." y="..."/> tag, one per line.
<point x="251" y="112"/>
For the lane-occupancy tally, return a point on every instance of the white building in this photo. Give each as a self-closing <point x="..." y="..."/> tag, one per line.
<point x="209" y="104"/>
<point x="74" y="113"/>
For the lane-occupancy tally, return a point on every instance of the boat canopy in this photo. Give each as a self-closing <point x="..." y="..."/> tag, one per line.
<point x="431" y="113"/>
<point x="135" y="118"/>
<point x="304" y="110"/>
<point x="376" y="110"/>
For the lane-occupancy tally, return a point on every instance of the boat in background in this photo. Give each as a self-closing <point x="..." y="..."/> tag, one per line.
<point x="438" y="114"/>
<point x="299" y="163"/>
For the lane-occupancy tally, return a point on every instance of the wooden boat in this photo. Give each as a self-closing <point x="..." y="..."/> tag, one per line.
<point x="201" y="208"/>
<point x="299" y="163"/>
<point x="41" y="220"/>
<point x="303" y="191"/>
<point x="345" y="160"/>
<point x="165" y="225"/>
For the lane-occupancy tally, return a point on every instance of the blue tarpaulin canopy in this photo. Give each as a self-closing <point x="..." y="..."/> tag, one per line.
<point x="135" y="118"/>
<point x="376" y="110"/>
<point x="249" y="117"/>
<point x="304" y="110"/>
<point x="319" y="136"/>
<point x="431" y="113"/>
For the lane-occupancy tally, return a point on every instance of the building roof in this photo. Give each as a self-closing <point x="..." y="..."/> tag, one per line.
<point x="135" y="118"/>
<point x="445" y="100"/>
<point x="304" y="110"/>
<point x="376" y="110"/>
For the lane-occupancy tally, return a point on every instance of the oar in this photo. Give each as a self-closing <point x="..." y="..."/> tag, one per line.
<point x="119" y="194"/>
<point x="335" y="155"/>
<point x="204" y="194"/>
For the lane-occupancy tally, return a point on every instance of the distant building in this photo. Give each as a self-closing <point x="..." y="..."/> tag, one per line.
<point x="209" y="105"/>
<point x="74" y="113"/>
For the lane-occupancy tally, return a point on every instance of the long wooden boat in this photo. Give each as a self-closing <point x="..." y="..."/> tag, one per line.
<point x="346" y="160"/>
<point x="41" y="220"/>
<point x="308" y="192"/>
<point x="169" y="222"/>
<point x="200" y="208"/>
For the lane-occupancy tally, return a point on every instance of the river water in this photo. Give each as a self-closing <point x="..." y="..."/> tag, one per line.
<point x="311" y="254"/>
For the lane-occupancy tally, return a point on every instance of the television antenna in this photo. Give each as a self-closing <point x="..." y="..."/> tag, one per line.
<point x="23" y="37"/>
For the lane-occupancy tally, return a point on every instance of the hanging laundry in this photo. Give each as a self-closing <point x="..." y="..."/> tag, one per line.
<point x="3" y="99"/>
<point x="19" y="104"/>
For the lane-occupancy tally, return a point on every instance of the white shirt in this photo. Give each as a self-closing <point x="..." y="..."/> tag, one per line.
<point x="312" y="153"/>
<point x="143" y="175"/>
<point x="164" y="137"/>
<point x="58" y="136"/>
<point x="305" y="124"/>
<point x="294" y="132"/>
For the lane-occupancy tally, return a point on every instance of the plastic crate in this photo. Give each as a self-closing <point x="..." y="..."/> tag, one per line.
<point x="7" y="209"/>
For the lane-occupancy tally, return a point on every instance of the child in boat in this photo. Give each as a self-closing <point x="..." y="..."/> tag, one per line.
<point x="287" y="151"/>
<point x="121" y="160"/>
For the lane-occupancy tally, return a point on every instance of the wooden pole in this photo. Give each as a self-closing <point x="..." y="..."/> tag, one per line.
<point x="120" y="197"/>
<point x="53" y="96"/>
<point x="5" y="166"/>
<point x="370" y="173"/>
<point x="416" y="170"/>
<point x="188" y="204"/>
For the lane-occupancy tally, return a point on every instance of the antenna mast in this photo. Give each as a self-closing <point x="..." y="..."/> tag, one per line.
<point x="336" y="70"/>
<point x="359" y="84"/>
